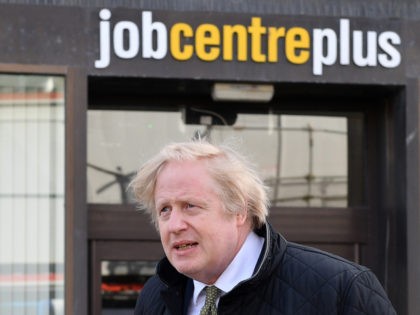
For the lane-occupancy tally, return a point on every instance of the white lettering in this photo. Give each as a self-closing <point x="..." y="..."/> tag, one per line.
<point x="358" y="49"/>
<point x="362" y="48"/>
<point x="319" y="57"/>
<point x="344" y="42"/>
<point x="104" y="36"/>
<point x="148" y="27"/>
<point x="133" y="39"/>
<point x="392" y="57"/>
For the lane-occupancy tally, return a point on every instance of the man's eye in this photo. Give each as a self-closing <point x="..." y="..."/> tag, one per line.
<point x="190" y="205"/>
<point x="164" y="211"/>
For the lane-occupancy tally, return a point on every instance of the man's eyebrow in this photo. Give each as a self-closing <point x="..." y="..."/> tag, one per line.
<point x="160" y="202"/>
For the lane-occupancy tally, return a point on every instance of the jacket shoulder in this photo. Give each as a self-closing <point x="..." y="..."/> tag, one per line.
<point x="315" y="261"/>
<point x="317" y="274"/>
<point x="366" y="295"/>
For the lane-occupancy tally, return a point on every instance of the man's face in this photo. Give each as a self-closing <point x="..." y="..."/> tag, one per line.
<point x="199" y="238"/>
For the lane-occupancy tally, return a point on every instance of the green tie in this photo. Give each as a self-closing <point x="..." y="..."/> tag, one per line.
<point x="210" y="307"/>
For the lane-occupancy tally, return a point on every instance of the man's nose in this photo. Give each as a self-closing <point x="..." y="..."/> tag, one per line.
<point x="177" y="221"/>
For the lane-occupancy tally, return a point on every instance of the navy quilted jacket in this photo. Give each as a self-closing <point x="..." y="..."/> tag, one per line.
<point x="290" y="279"/>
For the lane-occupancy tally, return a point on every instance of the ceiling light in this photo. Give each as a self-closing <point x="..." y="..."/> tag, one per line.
<point x="242" y="92"/>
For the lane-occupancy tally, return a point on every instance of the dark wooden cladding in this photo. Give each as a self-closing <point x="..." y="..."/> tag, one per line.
<point x="16" y="68"/>
<point x="76" y="267"/>
<point x="349" y="251"/>
<point x="136" y="250"/>
<point x="119" y="222"/>
<point x="338" y="225"/>
<point x="335" y="225"/>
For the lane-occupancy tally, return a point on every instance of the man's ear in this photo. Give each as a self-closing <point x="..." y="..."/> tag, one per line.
<point x="241" y="217"/>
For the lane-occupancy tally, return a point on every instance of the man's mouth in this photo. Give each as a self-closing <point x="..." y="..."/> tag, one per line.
<point x="185" y="246"/>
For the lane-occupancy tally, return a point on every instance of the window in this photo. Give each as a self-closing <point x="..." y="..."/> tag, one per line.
<point x="32" y="194"/>
<point x="302" y="158"/>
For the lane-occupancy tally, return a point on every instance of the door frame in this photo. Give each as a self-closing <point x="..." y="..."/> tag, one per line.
<point x="382" y="244"/>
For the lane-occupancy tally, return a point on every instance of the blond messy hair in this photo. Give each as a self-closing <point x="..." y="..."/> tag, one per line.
<point x="238" y="184"/>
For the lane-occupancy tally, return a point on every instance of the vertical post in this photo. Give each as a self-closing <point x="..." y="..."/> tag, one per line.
<point x="76" y="254"/>
<point x="413" y="196"/>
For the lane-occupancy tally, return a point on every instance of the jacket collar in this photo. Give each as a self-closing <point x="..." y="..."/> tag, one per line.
<point x="174" y="295"/>
<point x="270" y="257"/>
<point x="273" y="250"/>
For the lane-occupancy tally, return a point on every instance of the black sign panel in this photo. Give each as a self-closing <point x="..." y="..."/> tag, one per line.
<point x="245" y="47"/>
<point x="213" y="45"/>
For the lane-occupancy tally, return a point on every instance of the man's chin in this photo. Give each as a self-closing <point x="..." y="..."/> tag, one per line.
<point x="188" y="270"/>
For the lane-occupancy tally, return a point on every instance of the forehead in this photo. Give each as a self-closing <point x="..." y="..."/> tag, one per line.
<point x="184" y="175"/>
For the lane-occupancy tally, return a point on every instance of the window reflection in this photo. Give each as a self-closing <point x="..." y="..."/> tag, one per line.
<point x="312" y="162"/>
<point x="302" y="158"/>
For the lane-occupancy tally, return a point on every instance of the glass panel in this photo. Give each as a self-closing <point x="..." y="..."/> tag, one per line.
<point x="314" y="172"/>
<point x="31" y="194"/>
<point x="121" y="284"/>
<point x="304" y="159"/>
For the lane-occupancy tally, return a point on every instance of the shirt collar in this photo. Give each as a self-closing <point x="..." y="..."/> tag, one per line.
<point x="241" y="267"/>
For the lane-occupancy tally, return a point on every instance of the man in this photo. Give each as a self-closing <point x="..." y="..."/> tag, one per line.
<point x="222" y="256"/>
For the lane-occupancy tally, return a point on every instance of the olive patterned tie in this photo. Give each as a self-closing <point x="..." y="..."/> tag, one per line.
<point x="210" y="307"/>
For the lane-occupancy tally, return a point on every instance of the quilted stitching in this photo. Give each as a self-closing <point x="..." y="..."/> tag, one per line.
<point x="293" y="280"/>
<point x="372" y="297"/>
<point x="306" y="263"/>
<point x="314" y="282"/>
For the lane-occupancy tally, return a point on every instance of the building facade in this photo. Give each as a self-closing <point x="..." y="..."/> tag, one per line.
<point x="323" y="96"/>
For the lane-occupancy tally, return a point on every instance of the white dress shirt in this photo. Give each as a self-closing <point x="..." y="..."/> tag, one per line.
<point x="240" y="269"/>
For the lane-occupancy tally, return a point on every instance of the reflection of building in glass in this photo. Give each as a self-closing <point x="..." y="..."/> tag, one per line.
<point x="323" y="180"/>
<point x="120" y="179"/>
<point x="308" y="167"/>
